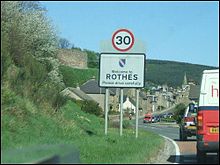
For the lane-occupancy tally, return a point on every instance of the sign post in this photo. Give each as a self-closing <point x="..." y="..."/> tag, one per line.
<point x="121" y="110"/>
<point x="137" y="111"/>
<point x="106" y="110"/>
<point x="122" y="63"/>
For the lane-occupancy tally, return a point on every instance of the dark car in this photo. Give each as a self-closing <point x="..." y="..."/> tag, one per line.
<point x="188" y="122"/>
<point x="170" y="115"/>
<point x="155" y="119"/>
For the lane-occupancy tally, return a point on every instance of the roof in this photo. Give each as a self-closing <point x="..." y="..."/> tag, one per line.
<point x="92" y="87"/>
<point x="194" y="92"/>
<point x="143" y="95"/>
<point x="211" y="71"/>
<point x="80" y="93"/>
<point x="130" y="99"/>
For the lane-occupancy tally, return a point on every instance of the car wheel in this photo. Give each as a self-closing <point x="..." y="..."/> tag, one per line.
<point x="201" y="156"/>
<point x="182" y="135"/>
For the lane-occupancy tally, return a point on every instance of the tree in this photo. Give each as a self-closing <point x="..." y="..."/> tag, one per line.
<point x="92" y="59"/>
<point x="28" y="48"/>
<point x="179" y="112"/>
<point x="92" y="107"/>
<point x="64" y="43"/>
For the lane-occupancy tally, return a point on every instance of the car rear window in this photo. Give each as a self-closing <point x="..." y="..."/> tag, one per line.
<point x="192" y="110"/>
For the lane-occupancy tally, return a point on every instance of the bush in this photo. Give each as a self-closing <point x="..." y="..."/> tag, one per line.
<point x="91" y="107"/>
<point x="8" y="96"/>
<point x="126" y="124"/>
<point x="59" y="101"/>
<point x="179" y="112"/>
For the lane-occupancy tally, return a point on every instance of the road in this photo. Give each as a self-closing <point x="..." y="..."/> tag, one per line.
<point x="187" y="149"/>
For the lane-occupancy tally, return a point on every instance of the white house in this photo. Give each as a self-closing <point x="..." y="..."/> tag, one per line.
<point x="128" y="104"/>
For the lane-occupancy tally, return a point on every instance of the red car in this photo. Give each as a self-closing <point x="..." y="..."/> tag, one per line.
<point x="147" y="118"/>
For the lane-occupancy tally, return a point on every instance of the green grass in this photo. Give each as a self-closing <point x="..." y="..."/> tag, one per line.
<point x="73" y="76"/>
<point x="30" y="133"/>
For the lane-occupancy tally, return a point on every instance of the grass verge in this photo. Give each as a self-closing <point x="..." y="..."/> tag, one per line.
<point x="25" y="129"/>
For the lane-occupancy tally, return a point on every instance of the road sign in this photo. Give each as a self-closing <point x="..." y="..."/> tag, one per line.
<point x="122" y="40"/>
<point x="122" y="65"/>
<point x="122" y="70"/>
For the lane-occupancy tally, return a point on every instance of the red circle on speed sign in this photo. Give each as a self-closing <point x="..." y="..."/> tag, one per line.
<point x="122" y="40"/>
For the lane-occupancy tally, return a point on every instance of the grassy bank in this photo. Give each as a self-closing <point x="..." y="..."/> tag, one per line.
<point x="23" y="126"/>
<point x="73" y="76"/>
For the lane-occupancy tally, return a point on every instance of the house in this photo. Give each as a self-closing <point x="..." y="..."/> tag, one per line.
<point x="142" y="102"/>
<point x="194" y="92"/>
<point x="75" y="93"/>
<point x="92" y="89"/>
<point x="128" y="105"/>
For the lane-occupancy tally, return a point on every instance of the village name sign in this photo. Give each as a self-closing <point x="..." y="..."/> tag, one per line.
<point x="120" y="67"/>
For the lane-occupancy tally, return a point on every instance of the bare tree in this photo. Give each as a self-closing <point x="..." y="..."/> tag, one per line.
<point x="64" y="43"/>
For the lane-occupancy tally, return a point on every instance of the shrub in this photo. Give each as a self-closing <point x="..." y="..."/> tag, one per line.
<point x="91" y="107"/>
<point x="126" y="124"/>
<point x="179" y="112"/>
<point x="59" y="101"/>
<point x="8" y="96"/>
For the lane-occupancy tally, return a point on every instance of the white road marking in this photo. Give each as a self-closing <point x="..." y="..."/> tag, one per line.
<point x="176" y="148"/>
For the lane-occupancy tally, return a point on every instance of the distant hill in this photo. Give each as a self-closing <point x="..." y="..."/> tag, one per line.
<point x="172" y="73"/>
<point x="157" y="71"/>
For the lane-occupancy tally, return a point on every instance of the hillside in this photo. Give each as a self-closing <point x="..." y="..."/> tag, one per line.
<point x="172" y="73"/>
<point x="158" y="72"/>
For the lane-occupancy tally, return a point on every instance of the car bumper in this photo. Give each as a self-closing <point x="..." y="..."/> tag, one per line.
<point x="146" y="121"/>
<point x="190" y="130"/>
<point x="208" y="146"/>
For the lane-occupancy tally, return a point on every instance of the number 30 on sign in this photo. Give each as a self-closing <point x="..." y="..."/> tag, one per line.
<point x="122" y="40"/>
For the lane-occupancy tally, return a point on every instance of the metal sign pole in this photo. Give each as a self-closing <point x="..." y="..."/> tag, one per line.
<point x="137" y="110"/>
<point x="121" y="110"/>
<point x="106" y="110"/>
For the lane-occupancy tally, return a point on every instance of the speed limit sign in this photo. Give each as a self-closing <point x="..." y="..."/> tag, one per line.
<point x="122" y="40"/>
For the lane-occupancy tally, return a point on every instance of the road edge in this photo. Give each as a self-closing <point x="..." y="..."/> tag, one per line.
<point x="177" y="160"/>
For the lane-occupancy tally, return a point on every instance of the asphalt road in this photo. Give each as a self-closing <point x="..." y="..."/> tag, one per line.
<point x="187" y="149"/>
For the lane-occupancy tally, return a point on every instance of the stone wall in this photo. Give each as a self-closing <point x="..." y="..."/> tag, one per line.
<point x="73" y="58"/>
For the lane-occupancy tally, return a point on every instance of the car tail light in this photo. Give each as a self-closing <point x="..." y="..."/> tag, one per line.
<point x="199" y="120"/>
<point x="188" y="119"/>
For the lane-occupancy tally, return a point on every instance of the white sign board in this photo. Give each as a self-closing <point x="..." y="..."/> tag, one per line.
<point x="122" y="70"/>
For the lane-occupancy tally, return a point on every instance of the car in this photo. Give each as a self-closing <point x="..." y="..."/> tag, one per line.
<point x="170" y="115"/>
<point x="187" y="127"/>
<point x="157" y="118"/>
<point x="153" y="120"/>
<point x="147" y="118"/>
<point x="207" y="140"/>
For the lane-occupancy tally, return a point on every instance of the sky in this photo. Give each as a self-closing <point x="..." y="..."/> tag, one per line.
<point x="186" y="31"/>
